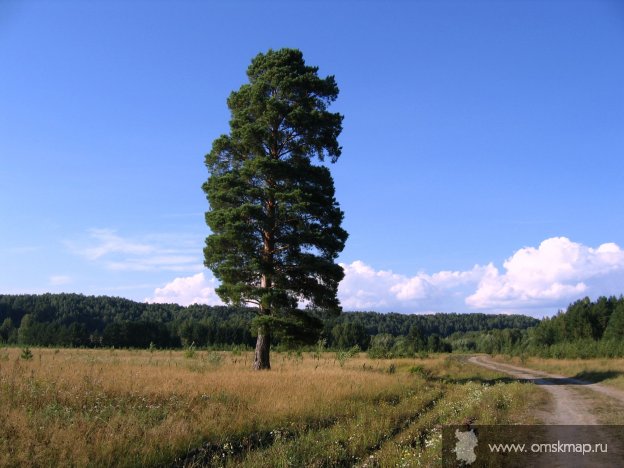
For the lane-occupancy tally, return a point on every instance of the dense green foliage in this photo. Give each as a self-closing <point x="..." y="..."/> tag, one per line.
<point x="586" y="329"/>
<point x="77" y="320"/>
<point x="275" y="223"/>
<point x="392" y="334"/>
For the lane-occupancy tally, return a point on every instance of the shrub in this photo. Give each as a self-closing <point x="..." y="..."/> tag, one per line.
<point x="214" y="358"/>
<point x="320" y="347"/>
<point x="381" y="346"/>
<point x="420" y="370"/>
<point x="26" y="354"/>
<point x="190" y="351"/>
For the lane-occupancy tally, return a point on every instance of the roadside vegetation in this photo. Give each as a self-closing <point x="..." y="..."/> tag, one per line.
<point x="145" y="408"/>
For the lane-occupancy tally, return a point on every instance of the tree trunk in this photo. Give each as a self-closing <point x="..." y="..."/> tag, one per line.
<point x="263" y="346"/>
<point x="263" y="343"/>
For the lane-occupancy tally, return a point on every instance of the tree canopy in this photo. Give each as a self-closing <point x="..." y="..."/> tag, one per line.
<point x="77" y="320"/>
<point x="274" y="220"/>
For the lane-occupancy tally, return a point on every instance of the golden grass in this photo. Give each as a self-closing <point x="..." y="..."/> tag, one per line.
<point x="141" y="408"/>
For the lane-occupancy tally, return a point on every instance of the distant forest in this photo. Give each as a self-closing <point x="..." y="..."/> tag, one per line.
<point x="89" y="321"/>
<point x="585" y="329"/>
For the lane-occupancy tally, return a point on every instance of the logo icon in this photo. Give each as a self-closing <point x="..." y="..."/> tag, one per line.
<point x="465" y="446"/>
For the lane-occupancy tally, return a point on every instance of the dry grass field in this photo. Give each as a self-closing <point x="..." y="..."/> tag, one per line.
<point x="78" y="407"/>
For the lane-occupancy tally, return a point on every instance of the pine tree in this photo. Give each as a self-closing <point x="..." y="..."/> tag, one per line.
<point x="275" y="222"/>
<point x="615" y="328"/>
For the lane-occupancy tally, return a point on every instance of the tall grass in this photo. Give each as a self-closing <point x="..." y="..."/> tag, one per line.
<point x="145" y="408"/>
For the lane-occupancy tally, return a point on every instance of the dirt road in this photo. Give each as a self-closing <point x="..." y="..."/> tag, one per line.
<point x="576" y="406"/>
<point x="574" y="402"/>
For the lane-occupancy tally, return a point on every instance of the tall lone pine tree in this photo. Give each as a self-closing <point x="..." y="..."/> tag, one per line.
<point x="276" y="225"/>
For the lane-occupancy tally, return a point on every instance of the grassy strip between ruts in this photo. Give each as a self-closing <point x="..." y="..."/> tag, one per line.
<point x="142" y="408"/>
<point x="409" y="434"/>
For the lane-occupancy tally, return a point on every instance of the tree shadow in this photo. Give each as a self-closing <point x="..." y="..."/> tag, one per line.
<point x="598" y="376"/>
<point x="582" y="378"/>
<point x="480" y="380"/>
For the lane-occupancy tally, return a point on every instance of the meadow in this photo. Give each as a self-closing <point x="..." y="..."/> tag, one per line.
<point x="79" y="407"/>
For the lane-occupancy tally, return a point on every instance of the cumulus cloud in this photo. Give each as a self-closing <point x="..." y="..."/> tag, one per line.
<point x="556" y="272"/>
<point x="537" y="280"/>
<point x="534" y="280"/>
<point x="196" y="289"/>
<point x="365" y="288"/>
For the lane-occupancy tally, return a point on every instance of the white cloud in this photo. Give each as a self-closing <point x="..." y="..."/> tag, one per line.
<point x="365" y="288"/>
<point x="196" y="289"/>
<point x="534" y="280"/>
<point x="553" y="274"/>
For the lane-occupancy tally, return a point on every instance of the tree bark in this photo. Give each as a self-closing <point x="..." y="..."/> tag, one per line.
<point x="263" y="345"/>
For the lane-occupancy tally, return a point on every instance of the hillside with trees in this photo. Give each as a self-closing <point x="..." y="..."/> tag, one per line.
<point x="75" y="320"/>
<point x="585" y="329"/>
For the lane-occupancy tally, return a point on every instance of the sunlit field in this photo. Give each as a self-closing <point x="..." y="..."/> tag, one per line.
<point x="608" y="371"/>
<point x="145" y="408"/>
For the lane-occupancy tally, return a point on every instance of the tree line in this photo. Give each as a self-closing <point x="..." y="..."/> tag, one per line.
<point x="75" y="320"/>
<point x="585" y="329"/>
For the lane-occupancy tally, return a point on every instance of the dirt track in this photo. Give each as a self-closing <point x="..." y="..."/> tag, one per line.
<point x="573" y="400"/>
<point x="576" y="403"/>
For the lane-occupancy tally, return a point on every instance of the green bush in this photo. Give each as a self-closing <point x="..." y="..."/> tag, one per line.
<point x="27" y="354"/>
<point x="190" y="352"/>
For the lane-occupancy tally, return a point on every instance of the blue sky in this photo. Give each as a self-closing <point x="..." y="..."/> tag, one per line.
<point x="482" y="160"/>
